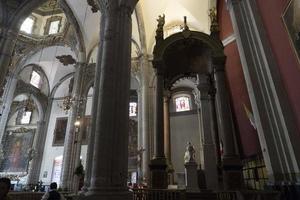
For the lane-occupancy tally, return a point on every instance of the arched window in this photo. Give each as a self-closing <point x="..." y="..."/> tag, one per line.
<point x="183" y="103"/>
<point x="26" y="117"/>
<point x="53" y="25"/>
<point x="27" y="25"/>
<point x="35" y="79"/>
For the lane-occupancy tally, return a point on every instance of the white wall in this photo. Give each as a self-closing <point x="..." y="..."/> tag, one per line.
<point x="51" y="152"/>
<point x="184" y="129"/>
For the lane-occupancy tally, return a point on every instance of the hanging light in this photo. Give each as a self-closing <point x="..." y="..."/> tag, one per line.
<point x="67" y="103"/>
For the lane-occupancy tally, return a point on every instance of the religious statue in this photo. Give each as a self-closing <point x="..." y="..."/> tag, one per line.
<point x="214" y="27"/>
<point x="189" y="155"/>
<point x="160" y="28"/>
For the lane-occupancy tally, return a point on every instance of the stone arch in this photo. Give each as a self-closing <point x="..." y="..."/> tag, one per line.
<point x="40" y="70"/>
<point x="215" y="45"/>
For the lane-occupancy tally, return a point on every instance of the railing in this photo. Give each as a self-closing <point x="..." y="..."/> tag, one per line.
<point x="158" y="194"/>
<point x="226" y="196"/>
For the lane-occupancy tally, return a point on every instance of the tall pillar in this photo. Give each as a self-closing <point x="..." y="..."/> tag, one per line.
<point x="7" y="98"/>
<point x="36" y="154"/>
<point x="78" y="141"/>
<point x="208" y="130"/>
<point x="158" y="164"/>
<point x="167" y="136"/>
<point x="110" y="165"/>
<point x="232" y="166"/>
<point x="274" y="117"/>
<point x="68" y="164"/>
<point x="140" y="137"/>
<point x="7" y="43"/>
<point x="91" y="141"/>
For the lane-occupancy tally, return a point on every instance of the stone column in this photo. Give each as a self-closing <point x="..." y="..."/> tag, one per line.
<point x="167" y="136"/>
<point x="68" y="164"/>
<point x="110" y="164"/>
<point x="7" y="43"/>
<point x="274" y="117"/>
<point x="208" y="130"/>
<point x="91" y="141"/>
<point x="158" y="164"/>
<point x="232" y="166"/>
<point x="37" y="154"/>
<point x="7" y="98"/>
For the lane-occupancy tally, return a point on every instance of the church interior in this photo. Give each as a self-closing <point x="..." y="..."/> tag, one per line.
<point x="151" y="99"/>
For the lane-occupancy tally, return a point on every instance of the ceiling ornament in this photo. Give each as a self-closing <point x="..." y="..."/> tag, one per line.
<point x="66" y="60"/>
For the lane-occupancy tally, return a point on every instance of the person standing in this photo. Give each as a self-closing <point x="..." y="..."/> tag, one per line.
<point x="53" y="194"/>
<point x="4" y="188"/>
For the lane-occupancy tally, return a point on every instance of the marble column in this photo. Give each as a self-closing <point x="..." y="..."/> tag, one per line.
<point x="167" y="136"/>
<point x="110" y="164"/>
<point x="158" y="164"/>
<point x="231" y="163"/>
<point x="68" y="165"/>
<point x="208" y="130"/>
<point x="37" y="154"/>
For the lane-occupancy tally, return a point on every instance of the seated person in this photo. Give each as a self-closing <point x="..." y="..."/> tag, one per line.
<point x="53" y="194"/>
<point x="4" y="188"/>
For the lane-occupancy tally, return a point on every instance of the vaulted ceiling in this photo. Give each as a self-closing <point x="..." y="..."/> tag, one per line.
<point x="143" y="30"/>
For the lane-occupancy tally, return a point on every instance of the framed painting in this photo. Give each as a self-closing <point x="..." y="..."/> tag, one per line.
<point x="291" y="20"/>
<point x="86" y="125"/>
<point x="16" y="147"/>
<point x="60" y="131"/>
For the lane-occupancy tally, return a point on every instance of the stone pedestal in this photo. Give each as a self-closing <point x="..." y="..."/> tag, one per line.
<point x="232" y="176"/>
<point x="191" y="177"/>
<point x="158" y="175"/>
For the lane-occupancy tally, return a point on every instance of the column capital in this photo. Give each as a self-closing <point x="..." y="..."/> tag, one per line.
<point x="167" y="94"/>
<point x="114" y="5"/>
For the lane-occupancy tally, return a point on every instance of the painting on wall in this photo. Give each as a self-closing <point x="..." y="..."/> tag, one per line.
<point x="61" y="127"/>
<point x="16" y="148"/>
<point x="60" y="131"/>
<point x="86" y="125"/>
<point x="291" y="19"/>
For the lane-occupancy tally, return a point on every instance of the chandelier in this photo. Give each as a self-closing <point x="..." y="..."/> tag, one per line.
<point x="67" y="103"/>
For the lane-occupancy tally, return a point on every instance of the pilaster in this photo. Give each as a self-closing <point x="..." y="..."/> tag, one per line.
<point x="274" y="118"/>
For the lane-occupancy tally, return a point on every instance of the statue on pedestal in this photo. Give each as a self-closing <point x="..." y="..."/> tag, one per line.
<point x="189" y="155"/>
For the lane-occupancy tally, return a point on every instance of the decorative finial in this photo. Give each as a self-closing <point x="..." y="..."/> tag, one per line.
<point x="160" y="28"/>
<point x="214" y="27"/>
<point x="185" y="26"/>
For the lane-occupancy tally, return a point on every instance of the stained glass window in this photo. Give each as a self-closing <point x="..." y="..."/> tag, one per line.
<point x="35" y="79"/>
<point x="182" y="103"/>
<point x="27" y="25"/>
<point x="54" y="27"/>
<point x="132" y="109"/>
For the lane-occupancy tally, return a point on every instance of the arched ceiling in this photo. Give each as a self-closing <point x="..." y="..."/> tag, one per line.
<point x="89" y="23"/>
<point x="174" y="10"/>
